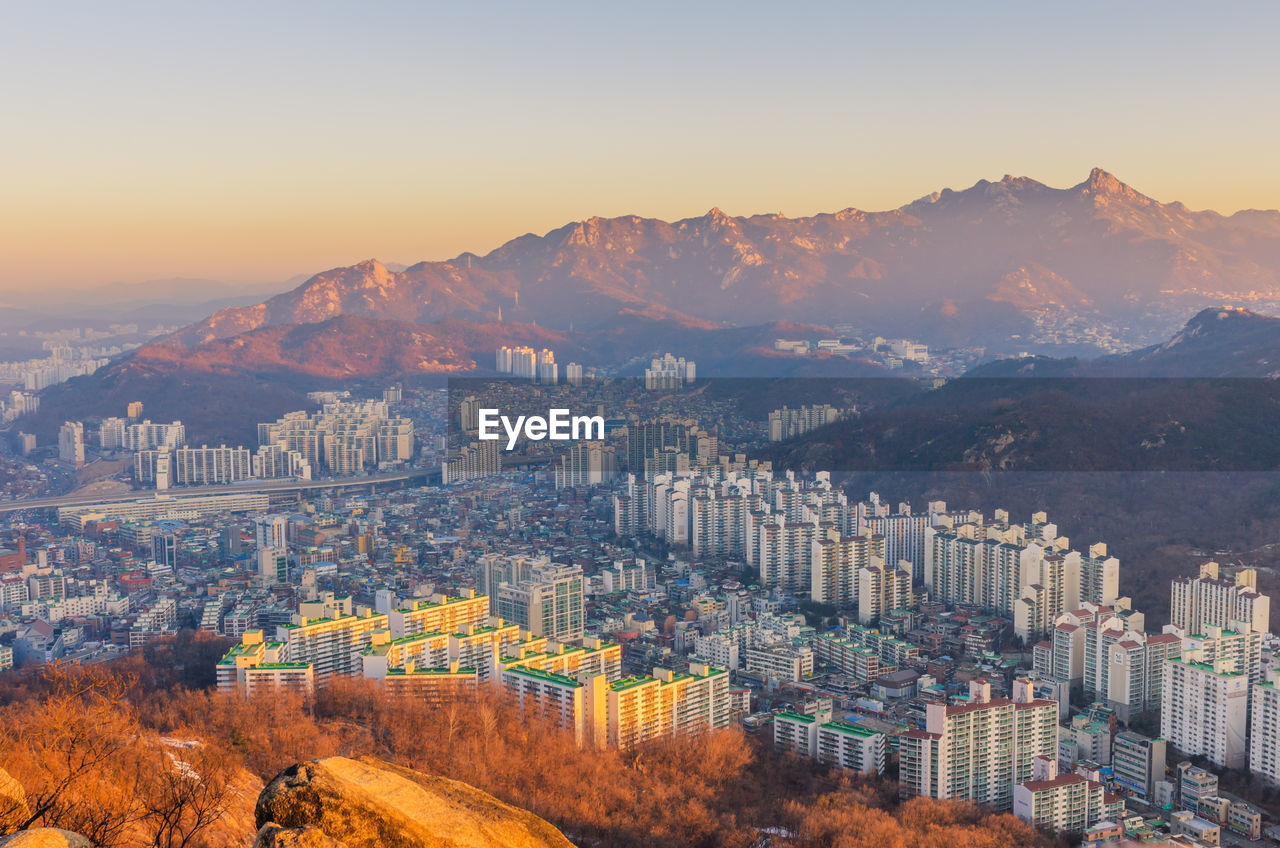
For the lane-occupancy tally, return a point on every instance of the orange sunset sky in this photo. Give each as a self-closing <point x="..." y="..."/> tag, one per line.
<point x="251" y="142"/>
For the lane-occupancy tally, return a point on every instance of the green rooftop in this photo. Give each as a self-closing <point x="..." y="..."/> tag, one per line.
<point x="801" y="717"/>
<point x="550" y="677"/>
<point x="629" y="683"/>
<point x="850" y="729"/>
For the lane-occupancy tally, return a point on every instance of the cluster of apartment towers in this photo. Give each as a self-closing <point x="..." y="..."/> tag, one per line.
<point x="525" y="636"/>
<point x="449" y="645"/>
<point x="343" y="437"/>
<point x="1202" y="673"/>
<point x="809" y="538"/>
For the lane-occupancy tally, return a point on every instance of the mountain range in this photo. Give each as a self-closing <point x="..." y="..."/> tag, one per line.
<point x="965" y="266"/>
<point x="957" y="268"/>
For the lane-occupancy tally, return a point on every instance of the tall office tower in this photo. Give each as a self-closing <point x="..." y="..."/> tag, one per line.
<point x="134" y="410"/>
<point x="1204" y="708"/>
<point x="718" y="516"/>
<point x="494" y="569"/>
<point x="1138" y="763"/>
<point x="548" y="602"/>
<point x="883" y="589"/>
<point x="585" y="464"/>
<point x="573" y="374"/>
<point x="111" y="434"/>
<point x="273" y="566"/>
<point x="71" y="443"/>
<point x="503" y="360"/>
<point x="978" y="750"/>
<point x="1264" y="729"/>
<point x="1210" y="599"/>
<point x="164" y="548"/>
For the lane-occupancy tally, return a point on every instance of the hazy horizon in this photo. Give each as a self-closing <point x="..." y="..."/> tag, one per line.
<point x="249" y="144"/>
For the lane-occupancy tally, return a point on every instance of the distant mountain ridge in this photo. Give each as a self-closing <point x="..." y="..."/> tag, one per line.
<point x="1220" y="342"/>
<point x="1016" y="243"/>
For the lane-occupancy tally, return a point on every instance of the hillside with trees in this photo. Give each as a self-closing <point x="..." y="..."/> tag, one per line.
<point x="142" y="754"/>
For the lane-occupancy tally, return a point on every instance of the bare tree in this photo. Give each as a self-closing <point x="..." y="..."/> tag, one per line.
<point x="73" y="750"/>
<point x="185" y="791"/>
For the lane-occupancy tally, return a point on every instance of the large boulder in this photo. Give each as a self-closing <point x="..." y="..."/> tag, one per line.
<point x="368" y="803"/>
<point x="273" y="835"/>
<point x="45" y="837"/>
<point x="13" y="803"/>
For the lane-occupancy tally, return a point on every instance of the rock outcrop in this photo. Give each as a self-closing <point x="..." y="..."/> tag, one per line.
<point x="13" y="803"/>
<point x="274" y="836"/>
<point x="368" y="803"/>
<point x="44" y="837"/>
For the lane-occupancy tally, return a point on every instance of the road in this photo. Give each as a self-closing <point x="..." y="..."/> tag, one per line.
<point x="423" y="476"/>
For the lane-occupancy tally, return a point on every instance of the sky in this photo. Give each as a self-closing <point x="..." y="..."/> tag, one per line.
<point x="255" y="141"/>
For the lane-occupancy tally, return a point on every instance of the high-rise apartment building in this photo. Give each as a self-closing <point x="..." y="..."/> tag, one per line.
<point x="1138" y="763"/>
<point x="473" y="462"/>
<point x="1212" y="600"/>
<point x="1103" y="654"/>
<point x="1067" y="803"/>
<point x="585" y="464"/>
<point x="204" y="466"/>
<point x="669" y="372"/>
<point x="1026" y="571"/>
<point x="254" y="666"/>
<point x="786" y="423"/>
<point x="548" y="602"/>
<point x="845" y="744"/>
<point x="979" y="749"/>
<point x="1264" y="730"/>
<point x="71" y="443"/>
<point x="1204" y="708"/>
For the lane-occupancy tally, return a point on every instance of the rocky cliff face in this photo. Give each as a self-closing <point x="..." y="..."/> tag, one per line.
<point x="367" y="803"/>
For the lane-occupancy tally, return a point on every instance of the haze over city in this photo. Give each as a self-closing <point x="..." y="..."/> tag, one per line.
<point x="154" y="141"/>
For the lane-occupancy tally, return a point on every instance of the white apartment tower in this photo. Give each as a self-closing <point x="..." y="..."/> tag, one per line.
<point x="1212" y="600"/>
<point x="978" y="750"/>
<point x="1204" y="708"/>
<point x="1264" y="730"/>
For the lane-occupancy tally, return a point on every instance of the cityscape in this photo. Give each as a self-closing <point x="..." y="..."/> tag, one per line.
<point x="594" y="425"/>
<point x="664" y="583"/>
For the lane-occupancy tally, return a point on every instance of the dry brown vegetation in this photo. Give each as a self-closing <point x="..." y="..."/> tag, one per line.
<point x="86" y="745"/>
